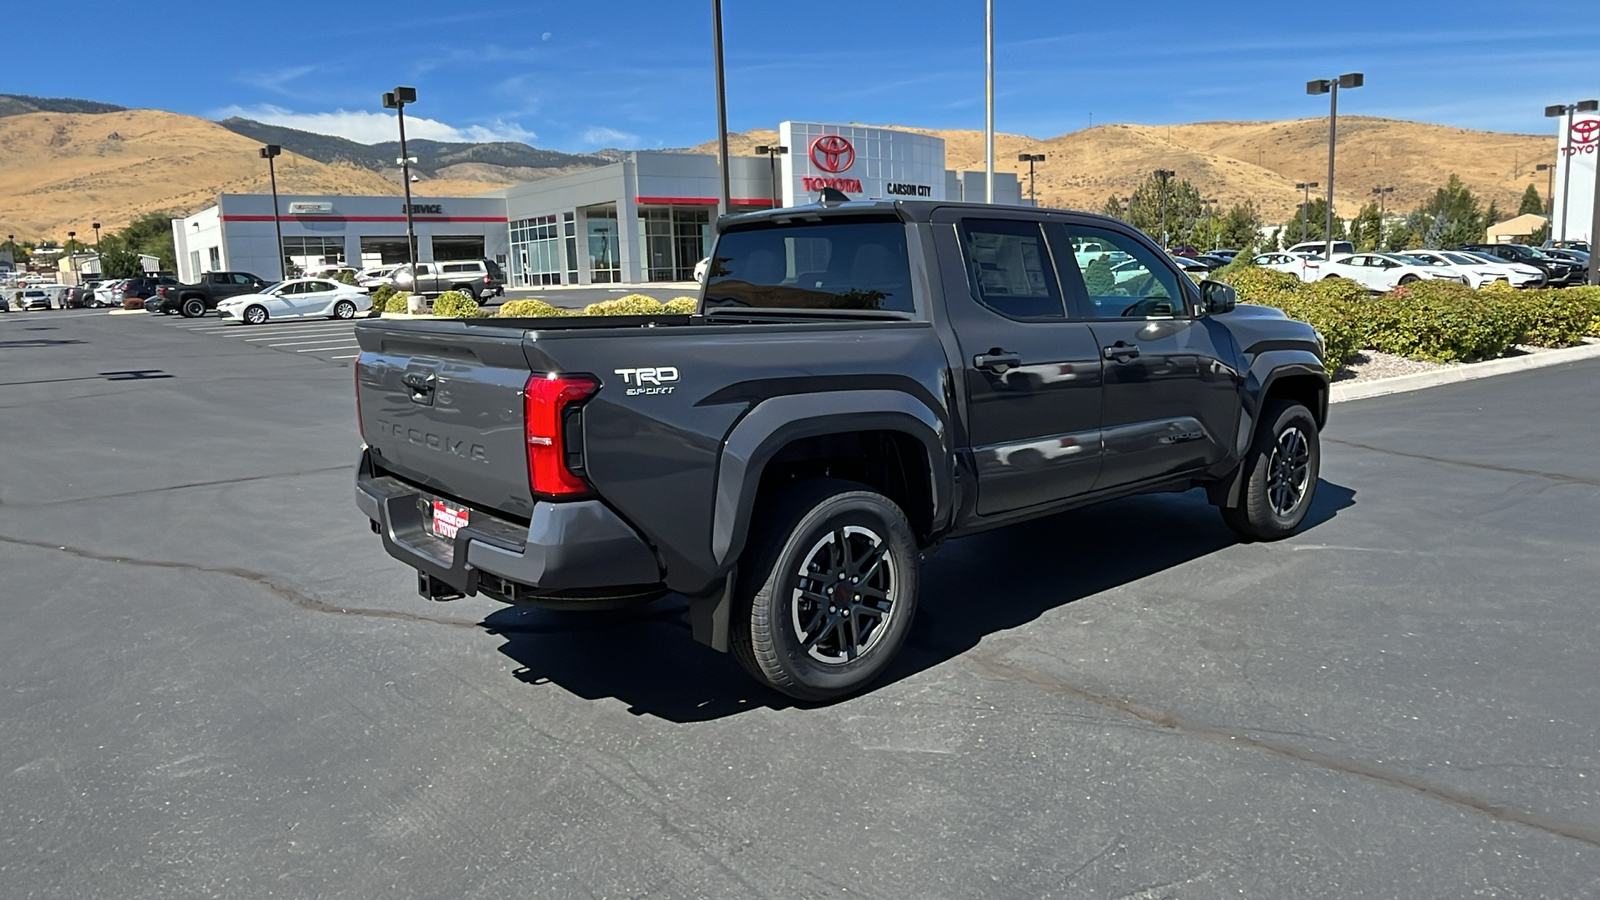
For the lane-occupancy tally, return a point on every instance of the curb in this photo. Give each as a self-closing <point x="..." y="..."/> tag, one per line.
<point x="1469" y="372"/>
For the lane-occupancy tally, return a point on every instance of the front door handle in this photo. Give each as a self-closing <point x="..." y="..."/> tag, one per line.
<point x="997" y="361"/>
<point x="1121" y="351"/>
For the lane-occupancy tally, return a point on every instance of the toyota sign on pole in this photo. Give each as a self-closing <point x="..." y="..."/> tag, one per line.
<point x="1579" y="149"/>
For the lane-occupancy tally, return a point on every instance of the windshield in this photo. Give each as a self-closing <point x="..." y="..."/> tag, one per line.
<point x="272" y="287"/>
<point x="860" y="264"/>
<point x="1462" y="259"/>
<point x="1419" y="260"/>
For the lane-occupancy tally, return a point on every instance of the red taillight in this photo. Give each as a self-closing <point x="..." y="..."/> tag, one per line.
<point x="485" y="279"/>
<point x="546" y="400"/>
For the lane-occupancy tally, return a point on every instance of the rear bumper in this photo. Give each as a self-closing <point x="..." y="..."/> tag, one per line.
<point x="576" y="553"/>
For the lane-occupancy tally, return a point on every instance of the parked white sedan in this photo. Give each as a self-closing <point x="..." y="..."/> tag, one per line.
<point x="1477" y="272"/>
<point x="1304" y="266"/>
<point x="1383" y="272"/>
<point x="1518" y="274"/>
<point x="297" y="298"/>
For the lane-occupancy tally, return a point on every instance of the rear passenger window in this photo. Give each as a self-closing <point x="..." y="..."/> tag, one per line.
<point x="1009" y="268"/>
<point x="855" y="264"/>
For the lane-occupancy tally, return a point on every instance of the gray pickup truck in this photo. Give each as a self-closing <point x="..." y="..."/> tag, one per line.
<point x="863" y="381"/>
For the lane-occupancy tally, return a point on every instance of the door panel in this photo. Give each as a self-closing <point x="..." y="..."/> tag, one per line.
<point x="1171" y="396"/>
<point x="1032" y="378"/>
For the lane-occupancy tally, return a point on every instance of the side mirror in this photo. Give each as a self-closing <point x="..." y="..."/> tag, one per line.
<point x="1218" y="297"/>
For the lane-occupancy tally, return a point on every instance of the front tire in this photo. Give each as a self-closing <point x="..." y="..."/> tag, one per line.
<point x="254" y="315"/>
<point x="344" y="309"/>
<point x="827" y="590"/>
<point x="1280" y="474"/>
<point x="193" y="308"/>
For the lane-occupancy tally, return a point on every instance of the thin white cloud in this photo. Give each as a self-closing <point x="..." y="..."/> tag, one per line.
<point x="601" y="136"/>
<point x="367" y="127"/>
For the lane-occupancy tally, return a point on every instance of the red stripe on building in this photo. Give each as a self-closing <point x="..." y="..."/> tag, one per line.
<point x="500" y="219"/>
<point x="697" y="201"/>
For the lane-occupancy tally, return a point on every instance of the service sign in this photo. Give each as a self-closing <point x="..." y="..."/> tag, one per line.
<point x="310" y="208"/>
<point x="863" y="163"/>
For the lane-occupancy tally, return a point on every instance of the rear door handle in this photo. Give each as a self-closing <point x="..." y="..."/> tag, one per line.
<point x="997" y="361"/>
<point x="1121" y="351"/>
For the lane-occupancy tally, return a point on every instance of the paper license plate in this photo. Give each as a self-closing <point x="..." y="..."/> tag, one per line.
<point x="447" y="519"/>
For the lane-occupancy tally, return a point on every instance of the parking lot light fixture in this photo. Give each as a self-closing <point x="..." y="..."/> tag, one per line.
<point x="772" y="153"/>
<point x="397" y="100"/>
<point x="1030" y="159"/>
<point x="1330" y="86"/>
<point x="269" y="153"/>
<point x="1305" y="186"/>
<point x="1381" y="192"/>
<point x="1549" y="187"/>
<point x="1556" y="112"/>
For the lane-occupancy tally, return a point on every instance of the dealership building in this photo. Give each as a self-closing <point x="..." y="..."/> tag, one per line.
<point x="646" y="217"/>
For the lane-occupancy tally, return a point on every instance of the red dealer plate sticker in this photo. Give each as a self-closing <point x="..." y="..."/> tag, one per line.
<point x="447" y="519"/>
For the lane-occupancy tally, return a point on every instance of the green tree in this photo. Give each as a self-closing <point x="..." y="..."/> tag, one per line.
<point x="119" y="262"/>
<point x="1113" y="208"/>
<point x="150" y="235"/>
<point x="1451" y="217"/>
<point x="1531" y="202"/>
<point x="1364" y="228"/>
<point x="1098" y="277"/>
<point x="1180" y="199"/>
<point x="1240" y="228"/>
<point x="1316" y="223"/>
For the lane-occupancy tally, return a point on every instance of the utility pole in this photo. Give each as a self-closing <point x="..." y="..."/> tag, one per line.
<point x="1381" y="193"/>
<point x="988" y="128"/>
<point x="1030" y="159"/>
<point x="725" y="203"/>
<point x="1162" y="175"/>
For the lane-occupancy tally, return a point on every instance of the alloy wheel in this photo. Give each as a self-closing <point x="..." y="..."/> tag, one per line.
<point x="1288" y="471"/>
<point x="845" y="596"/>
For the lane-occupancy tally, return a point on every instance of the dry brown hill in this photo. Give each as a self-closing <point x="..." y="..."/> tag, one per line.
<point x="59" y="172"/>
<point x="1260" y="161"/>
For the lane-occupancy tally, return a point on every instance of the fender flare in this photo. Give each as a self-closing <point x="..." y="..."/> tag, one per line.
<point x="773" y="423"/>
<point x="1266" y="369"/>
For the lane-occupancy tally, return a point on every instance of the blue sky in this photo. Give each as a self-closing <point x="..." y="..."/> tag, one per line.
<point x="638" y="73"/>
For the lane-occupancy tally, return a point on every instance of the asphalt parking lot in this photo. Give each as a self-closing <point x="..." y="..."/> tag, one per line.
<point x="214" y="682"/>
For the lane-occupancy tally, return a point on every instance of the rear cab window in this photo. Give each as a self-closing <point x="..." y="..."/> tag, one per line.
<point x="850" y="264"/>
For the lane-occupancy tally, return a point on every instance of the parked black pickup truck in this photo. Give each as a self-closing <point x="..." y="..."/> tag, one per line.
<point x="194" y="300"/>
<point x="865" y="380"/>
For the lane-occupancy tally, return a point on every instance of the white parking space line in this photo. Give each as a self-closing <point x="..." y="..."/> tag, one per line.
<point x="351" y="356"/>
<point x="336" y="333"/>
<point x="343" y="341"/>
<point x="326" y="349"/>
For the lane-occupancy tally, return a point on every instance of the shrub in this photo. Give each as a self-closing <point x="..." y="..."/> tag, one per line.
<point x="345" y="278"/>
<point x="381" y="296"/>
<point x="1556" y="317"/>
<point x="1590" y="295"/>
<point x="1440" y="321"/>
<point x="531" y="309"/>
<point x="456" y="305"/>
<point x="683" y="305"/>
<point x="1255" y="283"/>
<point x="1340" y="322"/>
<point x="394" y="301"/>
<point x="1099" y="278"/>
<point x="631" y="305"/>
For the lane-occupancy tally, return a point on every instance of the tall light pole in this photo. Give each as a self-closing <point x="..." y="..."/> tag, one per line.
<point x="100" y="267"/>
<point x="1556" y="112"/>
<point x="1305" y="206"/>
<point x="1162" y="176"/>
<point x="397" y="100"/>
<point x="773" y="152"/>
<point x="1211" y="220"/>
<point x="726" y="203"/>
<point x="1549" y="187"/>
<point x="1330" y="86"/>
<point x="72" y="259"/>
<point x="269" y="153"/>
<point x="1381" y="192"/>
<point x="1030" y="159"/>
<point x="988" y="126"/>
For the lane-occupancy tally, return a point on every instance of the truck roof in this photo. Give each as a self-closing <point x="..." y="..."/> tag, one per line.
<point x="909" y="210"/>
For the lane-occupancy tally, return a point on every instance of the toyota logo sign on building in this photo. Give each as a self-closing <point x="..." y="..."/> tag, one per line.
<point x="833" y="153"/>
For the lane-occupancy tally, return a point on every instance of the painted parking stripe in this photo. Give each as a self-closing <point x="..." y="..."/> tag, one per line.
<point x="291" y="329"/>
<point x="298" y="332"/>
<point x="351" y="356"/>
<point x="326" y="349"/>
<point x="343" y="340"/>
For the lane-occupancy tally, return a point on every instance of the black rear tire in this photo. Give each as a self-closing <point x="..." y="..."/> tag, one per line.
<point x="827" y="589"/>
<point x="1280" y="474"/>
<point x="193" y="308"/>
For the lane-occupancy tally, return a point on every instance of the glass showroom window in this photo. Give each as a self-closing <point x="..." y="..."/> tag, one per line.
<point x="303" y="253"/>
<point x="605" y="248"/>
<point x="535" y="251"/>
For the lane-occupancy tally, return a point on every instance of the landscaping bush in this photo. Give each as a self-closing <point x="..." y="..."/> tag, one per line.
<point x="1340" y="322"/>
<point x="394" y="302"/>
<point x="1590" y="295"/>
<point x="1439" y="321"/>
<point x="683" y="305"/>
<point x="380" y="297"/>
<point x="345" y="278"/>
<point x="531" y="309"/>
<point x="1258" y="285"/>
<point x="1553" y="317"/>
<point x="631" y="305"/>
<point x="456" y="305"/>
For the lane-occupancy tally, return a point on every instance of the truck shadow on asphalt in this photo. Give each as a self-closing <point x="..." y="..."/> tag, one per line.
<point x="972" y="588"/>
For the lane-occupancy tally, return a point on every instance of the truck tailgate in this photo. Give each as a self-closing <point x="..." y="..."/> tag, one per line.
<point x="442" y="408"/>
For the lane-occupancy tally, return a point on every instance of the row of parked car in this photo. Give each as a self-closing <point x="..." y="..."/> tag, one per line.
<point x="1474" y="265"/>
